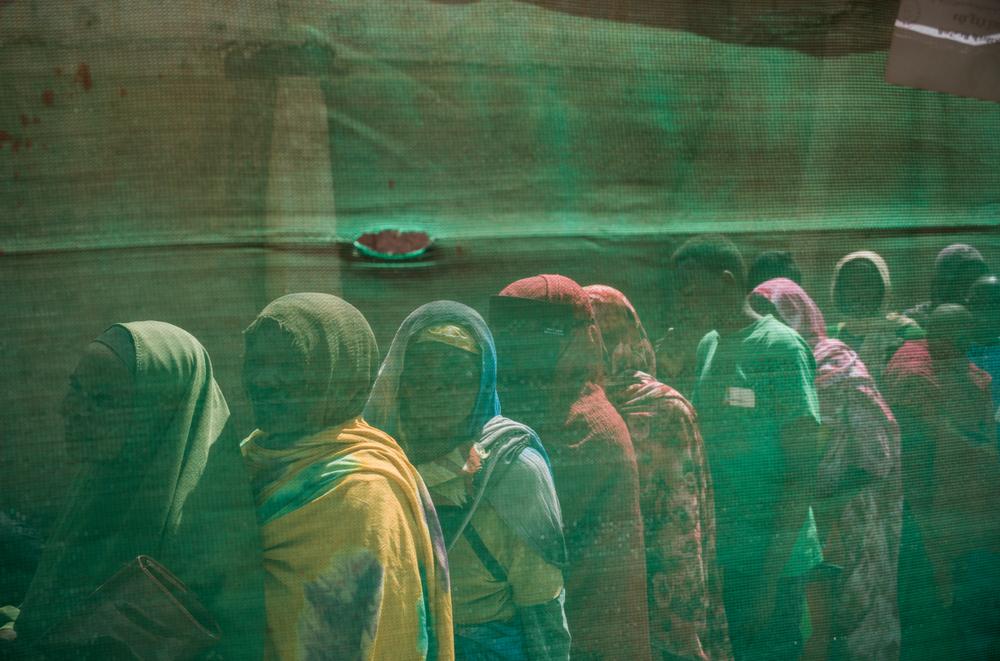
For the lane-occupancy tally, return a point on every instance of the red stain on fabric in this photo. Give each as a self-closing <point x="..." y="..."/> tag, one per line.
<point x="122" y="91"/>
<point x="48" y="97"/>
<point x="5" y="137"/>
<point x="15" y="146"/>
<point x="35" y="120"/>
<point x="83" y="78"/>
<point x="27" y="143"/>
<point x="395" y="242"/>
<point x="25" y="120"/>
<point x="58" y="71"/>
<point x="392" y="184"/>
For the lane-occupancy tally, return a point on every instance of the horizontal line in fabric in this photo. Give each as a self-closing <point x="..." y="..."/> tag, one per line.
<point x="306" y="242"/>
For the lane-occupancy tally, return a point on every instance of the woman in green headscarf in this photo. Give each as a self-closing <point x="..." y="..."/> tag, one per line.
<point x="159" y="476"/>
<point x="354" y="561"/>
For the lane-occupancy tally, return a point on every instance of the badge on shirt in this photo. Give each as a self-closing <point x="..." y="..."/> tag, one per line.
<point x="741" y="397"/>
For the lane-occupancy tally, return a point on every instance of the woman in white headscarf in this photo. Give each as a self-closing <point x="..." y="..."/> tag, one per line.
<point x="861" y="291"/>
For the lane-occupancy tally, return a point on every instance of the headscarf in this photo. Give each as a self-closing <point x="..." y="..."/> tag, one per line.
<point x="598" y="485"/>
<point x="339" y="350"/>
<point x="884" y="331"/>
<point x="794" y="308"/>
<point x="950" y="269"/>
<point x="582" y="362"/>
<point x="326" y="589"/>
<point x="797" y="311"/>
<point x="120" y="341"/>
<point x="153" y="498"/>
<point x="514" y="475"/>
<point x="880" y="265"/>
<point x="382" y="409"/>
<point x="951" y="280"/>
<point x="627" y="347"/>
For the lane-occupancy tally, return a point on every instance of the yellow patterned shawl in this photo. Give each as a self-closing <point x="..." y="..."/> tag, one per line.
<point x="355" y="565"/>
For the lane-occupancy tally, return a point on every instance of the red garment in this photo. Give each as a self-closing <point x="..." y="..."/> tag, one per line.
<point x="597" y="481"/>
<point x="687" y="618"/>
<point x="947" y="417"/>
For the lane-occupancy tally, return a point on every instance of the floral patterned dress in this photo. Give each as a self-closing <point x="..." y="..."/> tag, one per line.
<point x="686" y="611"/>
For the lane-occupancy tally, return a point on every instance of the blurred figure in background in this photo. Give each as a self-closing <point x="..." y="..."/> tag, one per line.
<point x="687" y="618"/>
<point x="772" y="264"/>
<point x="859" y="491"/>
<point x="862" y="293"/>
<point x="550" y="375"/>
<point x="675" y="357"/>
<point x="951" y="473"/>
<point x="984" y="304"/>
<point x="160" y="475"/>
<point x="955" y="269"/>
<point x="759" y="415"/>
<point x="490" y="480"/>
<point x="676" y="348"/>
<point x="354" y="559"/>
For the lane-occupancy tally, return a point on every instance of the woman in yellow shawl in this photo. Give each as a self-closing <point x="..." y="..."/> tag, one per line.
<point x="355" y="566"/>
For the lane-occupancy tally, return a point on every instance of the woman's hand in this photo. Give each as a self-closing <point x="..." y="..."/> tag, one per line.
<point x="8" y="616"/>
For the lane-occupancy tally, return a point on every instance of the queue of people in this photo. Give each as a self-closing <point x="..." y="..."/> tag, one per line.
<point x="533" y="482"/>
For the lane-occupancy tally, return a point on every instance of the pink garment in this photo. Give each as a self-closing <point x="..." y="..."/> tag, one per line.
<point x="687" y="618"/>
<point x="861" y="460"/>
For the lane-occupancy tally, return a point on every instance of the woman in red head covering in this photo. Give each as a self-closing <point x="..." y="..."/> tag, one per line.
<point x="687" y="618"/>
<point x="550" y="372"/>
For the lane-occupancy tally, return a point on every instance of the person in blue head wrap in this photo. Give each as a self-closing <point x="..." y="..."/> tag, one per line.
<point x="490" y="480"/>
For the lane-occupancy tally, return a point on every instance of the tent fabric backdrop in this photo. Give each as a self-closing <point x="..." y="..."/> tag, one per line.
<point x="472" y="119"/>
<point x="190" y="161"/>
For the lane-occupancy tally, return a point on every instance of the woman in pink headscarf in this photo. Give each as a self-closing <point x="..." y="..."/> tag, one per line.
<point x="687" y="618"/>
<point x="859" y="481"/>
